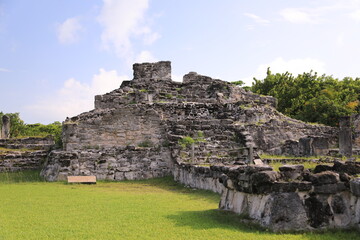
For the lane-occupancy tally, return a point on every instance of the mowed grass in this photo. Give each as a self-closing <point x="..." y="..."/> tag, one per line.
<point x="151" y="209"/>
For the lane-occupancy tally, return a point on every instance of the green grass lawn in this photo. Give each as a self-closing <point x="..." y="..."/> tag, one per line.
<point x="152" y="209"/>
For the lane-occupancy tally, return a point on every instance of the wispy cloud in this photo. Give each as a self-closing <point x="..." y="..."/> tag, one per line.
<point x="355" y="15"/>
<point x="322" y="13"/>
<point x="4" y="70"/>
<point x="145" y="56"/>
<point x="123" y="20"/>
<point x="68" y="32"/>
<point x="298" y="15"/>
<point x="257" y="18"/>
<point x="75" y="97"/>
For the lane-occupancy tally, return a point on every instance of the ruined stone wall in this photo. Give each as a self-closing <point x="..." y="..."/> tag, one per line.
<point x="219" y="109"/>
<point x="292" y="199"/>
<point x="198" y="177"/>
<point x="153" y="110"/>
<point x="24" y="153"/>
<point x="22" y="160"/>
<point x="34" y="143"/>
<point x="129" y="125"/>
<point x="356" y="129"/>
<point x="121" y="163"/>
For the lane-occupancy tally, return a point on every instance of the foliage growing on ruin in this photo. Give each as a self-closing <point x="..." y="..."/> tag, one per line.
<point x="187" y="141"/>
<point x="20" y="129"/>
<point x="310" y="97"/>
<point x="238" y="83"/>
<point x="146" y="143"/>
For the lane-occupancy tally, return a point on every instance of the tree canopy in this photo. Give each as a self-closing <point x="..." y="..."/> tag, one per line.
<point x="18" y="128"/>
<point x="310" y="97"/>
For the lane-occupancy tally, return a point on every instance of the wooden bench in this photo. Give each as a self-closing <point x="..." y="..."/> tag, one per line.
<point x="82" y="179"/>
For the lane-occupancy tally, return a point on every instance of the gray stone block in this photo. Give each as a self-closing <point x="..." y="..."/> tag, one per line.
<point x="355" y="187"/>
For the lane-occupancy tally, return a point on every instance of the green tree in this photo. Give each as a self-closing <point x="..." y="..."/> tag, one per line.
<point x="310" y="97"/>
<point x="19" y="129"/>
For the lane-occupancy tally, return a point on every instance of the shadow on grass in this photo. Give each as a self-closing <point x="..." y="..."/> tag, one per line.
<point x="214" y="219"/>
<point x="230" y="221"/>
<point x="168" y="184"/>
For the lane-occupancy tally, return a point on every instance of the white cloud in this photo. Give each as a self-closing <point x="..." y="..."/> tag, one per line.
<point x="176" y="77"/>
<point x="340" y="39"/>
<point x="4" y="70"/>
<point x="75" y="97"/>
<point x="123" y="20"/>
<point x="151" y="38"/>
<point x="297" y="15"/>
<point x="294" y="66"/>
<point x="145" y="56"/>
<point x="68" y="32"/>
<point x="355" y="15"/>
<point x="257" y="19"/>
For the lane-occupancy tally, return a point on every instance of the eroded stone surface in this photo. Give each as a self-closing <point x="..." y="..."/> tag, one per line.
<point x="24" y="153"/>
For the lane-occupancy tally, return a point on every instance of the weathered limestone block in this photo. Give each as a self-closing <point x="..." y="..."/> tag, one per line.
<point x="322" y="168"/>
<point x="261" y="182"/>
<point x="345" y="136"/>
<point x="348" y="167"/>
<point x="319" y="211"/>
<point x="5" y="129"/>
<point x="355" y="187"/>
<point x="356" y="131"/>
<point x="302" y="186"/>
<point x="291" y="172"/>
<point x="330" y="188"/>
<point x="320" y="146"/>
<point x="305" y="146"/>
<point x="326" y="177"/>
<point x="285" y="211"/>
<point x="198" y="177"/>
<point x="154" y="71"/>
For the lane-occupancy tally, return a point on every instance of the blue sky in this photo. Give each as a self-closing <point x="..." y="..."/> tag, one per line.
<point x="55" y="55"/>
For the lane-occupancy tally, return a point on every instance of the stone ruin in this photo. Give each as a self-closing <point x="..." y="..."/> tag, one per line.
<point x="5" y="128"/>
<point x="136" y="131"/>
<point x="19" y="154"/>
<point x="152" y="127"/>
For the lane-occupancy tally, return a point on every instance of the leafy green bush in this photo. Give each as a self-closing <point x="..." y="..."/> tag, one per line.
<point x="18" y="128"/>
<point x="312" y="98"/>
<point x="187" y="141"/>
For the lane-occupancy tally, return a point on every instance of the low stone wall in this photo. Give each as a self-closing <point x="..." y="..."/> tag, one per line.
<point x="294" y="198"/>
<point x="291" y="199"/>
<point x="198" y="177"/>
<point x="24" y="153"/>
<point x="128" y="163"/>
<point x="34" y="143"/>
<point x="19" y="161"/>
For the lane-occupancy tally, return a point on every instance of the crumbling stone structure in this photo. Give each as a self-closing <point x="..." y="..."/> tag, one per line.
<point x="356" y="131"/>
<point x="345" y="136"/>
<point x="291" y="199"/>
<point x="152" y="127"/>
<point x="24" y="153"/>
<point x="152" y="121"/>
<point x="5" y="129"/>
